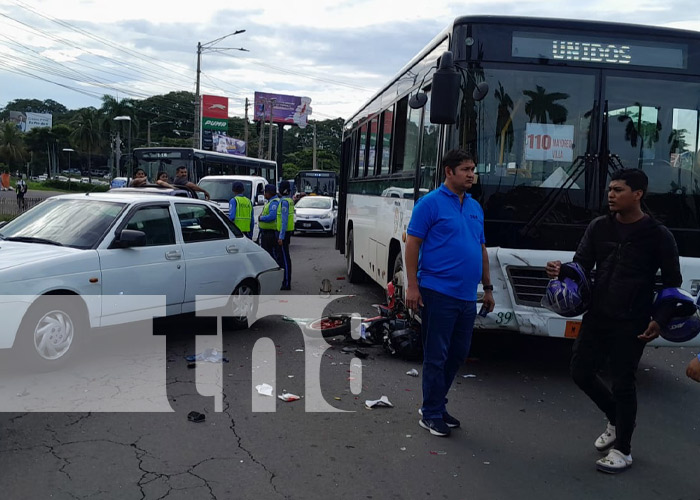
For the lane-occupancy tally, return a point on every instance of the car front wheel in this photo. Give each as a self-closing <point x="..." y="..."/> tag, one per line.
<point x="51" y="331"/>
<point x="243" y="306"/>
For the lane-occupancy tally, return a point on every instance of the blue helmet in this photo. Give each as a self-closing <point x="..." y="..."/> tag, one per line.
<point x="684" y="323"/>
<point x="570" y="294"/>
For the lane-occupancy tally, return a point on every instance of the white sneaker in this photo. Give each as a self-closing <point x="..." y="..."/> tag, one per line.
<point x="607" y="439"/>
<point x="614" y="462"/>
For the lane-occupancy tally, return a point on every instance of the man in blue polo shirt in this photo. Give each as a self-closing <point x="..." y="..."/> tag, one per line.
<point x="445" y="261"/>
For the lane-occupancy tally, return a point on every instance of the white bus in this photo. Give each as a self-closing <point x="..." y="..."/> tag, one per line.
<point x="549" y="108"/>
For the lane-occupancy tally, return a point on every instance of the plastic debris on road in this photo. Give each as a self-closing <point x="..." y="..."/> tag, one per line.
<point x="288" y="397"/>
<point x="469" y="375"/>
<point x="264" y="389"/>
<point x="208" y="355"/>
<point x="378" y="403"/>
<point x="196" y="417"/>
<point x="412" y="372"/>
<point x="438" y="453"/>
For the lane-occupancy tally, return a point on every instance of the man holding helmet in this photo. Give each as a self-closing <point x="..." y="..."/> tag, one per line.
<point x="627" y="248"/>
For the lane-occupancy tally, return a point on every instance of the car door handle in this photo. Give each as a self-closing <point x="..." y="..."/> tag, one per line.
<point x="232" y="249"/>
<point x="173" y="255"/>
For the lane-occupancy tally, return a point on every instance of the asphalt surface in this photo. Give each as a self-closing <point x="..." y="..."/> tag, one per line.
<point x="527" y="432"/>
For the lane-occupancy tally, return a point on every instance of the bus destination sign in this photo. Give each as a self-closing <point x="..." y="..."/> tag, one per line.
<point x="600" y="51"/>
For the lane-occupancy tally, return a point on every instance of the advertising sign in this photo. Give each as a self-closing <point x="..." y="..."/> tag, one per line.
<point x="214" y="113"/>
<point x="215" y="106"/>
<point x="224" y="144"/>
<point x="545" y="141"/>
<point x="286" y="109"/>
<point x="27" y="121"/>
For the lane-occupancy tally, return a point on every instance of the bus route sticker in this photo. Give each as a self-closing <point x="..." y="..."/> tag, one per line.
<point x="545" y="141"/>
<point x="572" y="329"/>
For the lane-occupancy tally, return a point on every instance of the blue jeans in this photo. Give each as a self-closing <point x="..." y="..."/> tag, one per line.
<point x="447" y="325"/>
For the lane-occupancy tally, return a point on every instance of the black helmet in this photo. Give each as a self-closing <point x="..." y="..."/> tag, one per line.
<point x="284" y="187"/>
<point x="404" y="342"/>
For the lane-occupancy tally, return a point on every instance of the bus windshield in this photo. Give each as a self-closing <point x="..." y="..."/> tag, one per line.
<point x="316" y="181"/>
<point x="222" y="189"/>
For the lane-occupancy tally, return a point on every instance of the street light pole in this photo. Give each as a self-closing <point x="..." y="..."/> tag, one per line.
<point x="149" y="129"/>
<point x="201" y="47"/>
<point x="69" y="151"/>
<point x="129" y="168"/>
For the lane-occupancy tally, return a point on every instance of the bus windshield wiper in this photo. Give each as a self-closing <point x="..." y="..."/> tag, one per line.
<point x="30" y="239"/>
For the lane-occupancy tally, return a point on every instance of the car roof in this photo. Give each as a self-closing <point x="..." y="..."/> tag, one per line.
<point x="127" y="197"/>
<point x="233" y="178"/>
<point x="318" y="197"/>
<point x="154" y="189"/>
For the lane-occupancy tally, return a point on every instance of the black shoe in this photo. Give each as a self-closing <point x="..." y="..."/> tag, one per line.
<point x="450" y="421"/>
<point x="436" y="426"/>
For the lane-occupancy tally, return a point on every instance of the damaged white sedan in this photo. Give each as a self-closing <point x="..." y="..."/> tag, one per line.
<point x="81" y="261"/>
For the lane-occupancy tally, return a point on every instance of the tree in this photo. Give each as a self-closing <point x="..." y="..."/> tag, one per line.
<point x="12" y="149"/>
<point x="543" y="105"/>
<point x="504" y="122"/>
<point x="86" y="133"/>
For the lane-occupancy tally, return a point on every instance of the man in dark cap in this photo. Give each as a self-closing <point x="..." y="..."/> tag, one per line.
<point x="267" y="222"/>
<point x="240" y="210"/>
<point x="285" y="228"/>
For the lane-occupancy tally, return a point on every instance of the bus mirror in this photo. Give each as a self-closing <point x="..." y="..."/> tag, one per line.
<point x="418" y="100"/>
<point x="480" y="91"/>
<point x="445" y="91"/>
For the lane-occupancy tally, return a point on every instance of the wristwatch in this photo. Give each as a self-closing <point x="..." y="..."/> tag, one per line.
<point x="488" y="288"/>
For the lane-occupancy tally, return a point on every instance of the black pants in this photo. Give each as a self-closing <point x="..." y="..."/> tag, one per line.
<point x="268" y="241"/>
<point x="285" y="261"/>
<point x="601" y="340"/>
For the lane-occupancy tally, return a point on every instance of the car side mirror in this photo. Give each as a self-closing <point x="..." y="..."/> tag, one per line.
<point x="128" y="238"/>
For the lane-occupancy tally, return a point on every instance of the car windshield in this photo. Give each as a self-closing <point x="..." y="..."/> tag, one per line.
<point x="222" y="189"/>
<point x="73" y="223"/>
<point x="313" y="202"/>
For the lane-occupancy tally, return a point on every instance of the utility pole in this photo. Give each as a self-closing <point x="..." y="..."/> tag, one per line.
<point x="261" y="137"/>
<point x="269" y="149"/>
<point x="196" y="143"/>
<point x="245" y="125"/>
<point x="313" y="163"/>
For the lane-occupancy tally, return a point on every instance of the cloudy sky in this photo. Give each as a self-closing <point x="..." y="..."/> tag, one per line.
<point x="337" y="53"/>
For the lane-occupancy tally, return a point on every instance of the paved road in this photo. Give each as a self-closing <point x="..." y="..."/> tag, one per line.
<point x="528" y="432"/>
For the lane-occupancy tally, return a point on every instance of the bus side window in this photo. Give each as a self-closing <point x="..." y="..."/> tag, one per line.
<point x="400" y="134"/>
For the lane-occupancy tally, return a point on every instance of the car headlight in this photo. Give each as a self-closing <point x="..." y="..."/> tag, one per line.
<point x="325" y="216"/>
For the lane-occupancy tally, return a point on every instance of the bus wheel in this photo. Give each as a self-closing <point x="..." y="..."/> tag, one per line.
<point x="355" y="274"/>
<point x="397" y="276"/>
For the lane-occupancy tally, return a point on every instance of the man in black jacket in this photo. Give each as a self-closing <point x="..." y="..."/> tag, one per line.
<point x="627" y="248"/>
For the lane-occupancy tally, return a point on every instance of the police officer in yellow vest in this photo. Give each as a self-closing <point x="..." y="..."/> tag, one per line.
<point x="267" y="222"/>
<point x="285" y="228"/>
<point x="240" y="210"/>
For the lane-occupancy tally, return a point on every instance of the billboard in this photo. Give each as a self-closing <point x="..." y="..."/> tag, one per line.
<point x="214" y="113"/>
<point x="286" y="109"/>
<point x="224" y="144"/>
<point x="27" y="121"/>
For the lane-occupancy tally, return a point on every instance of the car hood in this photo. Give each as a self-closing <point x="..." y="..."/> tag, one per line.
<point x="314" y="212"/>
<point x="15" y="253"/>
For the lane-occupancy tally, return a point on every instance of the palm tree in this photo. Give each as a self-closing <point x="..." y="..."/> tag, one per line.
<point x="86" y="133"/>
<point x="543" y="105"/>
<point x="11" y="144"/>
<point x="504" y="123"/>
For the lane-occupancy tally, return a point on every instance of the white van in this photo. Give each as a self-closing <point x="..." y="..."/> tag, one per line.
<point x="220" y="189"/>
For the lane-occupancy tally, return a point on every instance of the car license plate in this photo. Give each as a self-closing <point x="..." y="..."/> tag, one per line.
<point x="572" y="329"/>
<point x="306" y="224"/>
